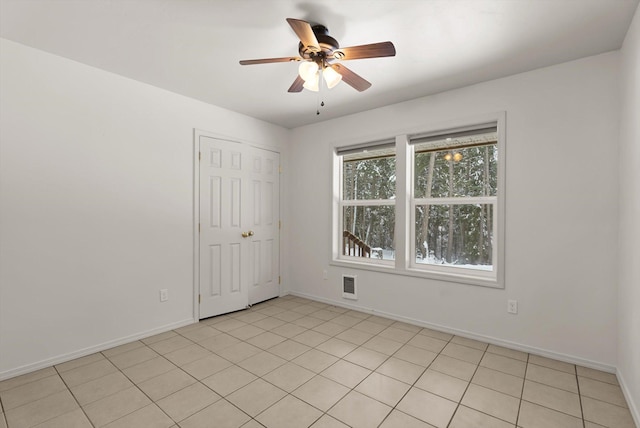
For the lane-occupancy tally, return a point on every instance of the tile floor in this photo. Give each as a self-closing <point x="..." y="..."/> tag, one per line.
<point x="292" y="362"/>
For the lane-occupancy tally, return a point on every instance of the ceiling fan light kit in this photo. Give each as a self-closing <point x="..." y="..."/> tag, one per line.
<point x="318" y="51"/>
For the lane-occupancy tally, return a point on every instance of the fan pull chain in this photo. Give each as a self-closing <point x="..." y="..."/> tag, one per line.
<point x="319" y="102"/>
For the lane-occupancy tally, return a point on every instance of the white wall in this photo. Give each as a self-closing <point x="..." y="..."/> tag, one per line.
<point x="96" y="194"/>
<point x="629" y="254"/>
<point x="561" y="208"/>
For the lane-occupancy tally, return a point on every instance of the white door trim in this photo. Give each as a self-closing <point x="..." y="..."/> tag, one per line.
<point x="197" y="133"/>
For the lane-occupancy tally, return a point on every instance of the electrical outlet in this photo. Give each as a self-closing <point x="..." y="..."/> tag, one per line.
<point x="164" y="295"/>
<point x="325" y="275"/>
<point x="512" y="306"/>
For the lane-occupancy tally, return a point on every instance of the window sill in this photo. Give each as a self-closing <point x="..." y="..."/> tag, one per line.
<point x="420" y="273"/>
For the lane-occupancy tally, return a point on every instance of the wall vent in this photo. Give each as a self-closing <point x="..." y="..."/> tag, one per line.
<point x="349" y="288"/>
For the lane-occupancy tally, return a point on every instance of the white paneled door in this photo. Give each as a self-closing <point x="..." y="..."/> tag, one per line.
<point x="239" y="225"/>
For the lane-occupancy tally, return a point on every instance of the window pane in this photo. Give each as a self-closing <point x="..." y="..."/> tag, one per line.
<point x="455" y="235"/>
<point x="468" y="171"/>
<point x="373" y="178"/>
<point x="369" y="231"/>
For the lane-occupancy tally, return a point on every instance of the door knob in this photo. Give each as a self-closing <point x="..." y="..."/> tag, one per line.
<point x="247" y="234"/>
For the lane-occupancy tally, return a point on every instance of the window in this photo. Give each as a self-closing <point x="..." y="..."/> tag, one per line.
<point x="367" y="203"/>
<point x="426" y="205"/>
<point x="455" y="183"/>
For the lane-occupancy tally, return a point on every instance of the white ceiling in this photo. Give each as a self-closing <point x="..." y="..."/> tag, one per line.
<point x="192" y="47"/>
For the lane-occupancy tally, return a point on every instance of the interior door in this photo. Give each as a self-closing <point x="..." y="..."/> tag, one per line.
<point x="239" y="216"/>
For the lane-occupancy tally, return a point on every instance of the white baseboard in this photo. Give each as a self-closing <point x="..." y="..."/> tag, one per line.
<point x="470" y="335"/>
<point x="633" y="408"/>
<point x="28" y="368"/>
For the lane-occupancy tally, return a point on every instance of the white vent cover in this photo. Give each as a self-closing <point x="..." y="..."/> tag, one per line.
<point x="349" y="287"/>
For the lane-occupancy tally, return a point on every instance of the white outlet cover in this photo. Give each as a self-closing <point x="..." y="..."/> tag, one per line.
<point x="512" y="306"/>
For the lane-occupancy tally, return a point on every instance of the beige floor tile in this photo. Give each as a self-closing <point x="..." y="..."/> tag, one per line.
<point x="289" y="376"/>
<point x="311" y="338"/>
<point x="219" y="342"/>
<point x="605" y="414"/>
<point x="88" y="372"/>
<point x="602" y="391"/>
<point x="552" y="364"/>
<point x="305" y="309"/>
<point x="122" y="348"/>
<point x="32" y="391"/>
<point x="401" y="370"/>
<point x="159" y="337"/>
<point x="250" y="316"/>
<point x="229" y="324"/>
<point x="266" y="340"/>
<point x="366" y="358"/>
<point x="202" y="333"/>
<point x="359" y="411"/>
<point x="383" y="388"/>
<point x="535" y="416"/>
<point x="466" y="417"/>
<point x="79" y="362"/>
<point x="288" y="316"/>
<point x="136" y="356"/>
<point x="330" y="328"/>
<point x="148" y="369"/>
<point x="382" y="345"/>
<point x="290" y="412"/>
<point x="169" y="345"/>
<point x="315" y="360"/>
<point x="238" y="352"/>
<point x="115" y="406"/>
<point x="506" y="352"/>
<point x="427" y="407"/>
<point x="436" y="334"/>
<point x="464" y="353"/>
<point x="504" y="364"/>
<point x="255" y="397"/>
<point x="471" y="343"/>
<point x="551" y="377"/>
<point x="187" y="354"/>
<point x="206" y="366"/>
<point x="415" y="355"/>
<point x="406" y="326"/>
<point x="427" y="342"/>
<point x="246" y="332"/>
<point x="553" y="398"/>
<point x="494" y="403"/>
<point x="3" y="422"/>
<point x="27" y="378"/>
<point x="270" y="323"/>
<point x="100" y="388"/>
<point x="289" y="349"/>
<point x="357" y="337"/>
<point x="597" y="375"/>
<point x="324" y="314"/>
<point x="220" y="414"/>
<point x="369" y="326"/>
<point x="166" y="384"/>
<point x="397" y="334"/>
<point x="188" y="401"/>
<point x="346" y="320"/>
<point x="321" y="392"/>
<point x="148" y="417"/>
<point x="588" y="424"/>
<point x="453" y="367"/>
<point x="346" y="373"/>
<point x="336" y="347"/>
<point x="397" y="419"/>
<point x="41" y="410"/>
<point x="288" y="330"/>
<point x="229" y="380"/>
<point x="262" y="363"/>
<point x="190" y="327"/>
<point x="498" y="381"/>
<point x="327" y="421"/>
<point x="358" y="314"/>
<point x="308" y="322"/>
<point x="73" y="419"/>
<point x="443" y="385"/>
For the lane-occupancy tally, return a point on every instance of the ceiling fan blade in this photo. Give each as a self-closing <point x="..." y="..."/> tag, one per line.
<point x="305" y="33"/>
<point x="297" y="85"/>
<point x="352" y="79"/>
<point x="373" y="50"/>
<point x="268" y="60"/>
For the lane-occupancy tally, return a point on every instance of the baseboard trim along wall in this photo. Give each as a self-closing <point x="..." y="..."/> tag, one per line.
<point x="91" y="350"/>
<point x="635" y="412"/>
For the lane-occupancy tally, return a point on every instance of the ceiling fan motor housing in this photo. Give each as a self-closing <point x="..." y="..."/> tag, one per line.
<point x="327" y="46"/>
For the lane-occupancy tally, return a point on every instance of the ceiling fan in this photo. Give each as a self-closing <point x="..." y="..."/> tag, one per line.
<point x="319" y="54"/>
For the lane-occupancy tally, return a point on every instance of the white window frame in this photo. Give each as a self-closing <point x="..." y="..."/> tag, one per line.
<point x="405" y="210"/>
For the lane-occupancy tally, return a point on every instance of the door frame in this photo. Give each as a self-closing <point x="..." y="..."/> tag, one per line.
<point x="197" y="133"/>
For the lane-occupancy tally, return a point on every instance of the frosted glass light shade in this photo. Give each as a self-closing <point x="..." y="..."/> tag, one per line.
<point x="313" y="83"/>
<point x="308" y="70"/>
<point x="331" y="76"/>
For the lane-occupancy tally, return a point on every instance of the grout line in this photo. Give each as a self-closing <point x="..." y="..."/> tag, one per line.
<point x="74" y="396"/>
